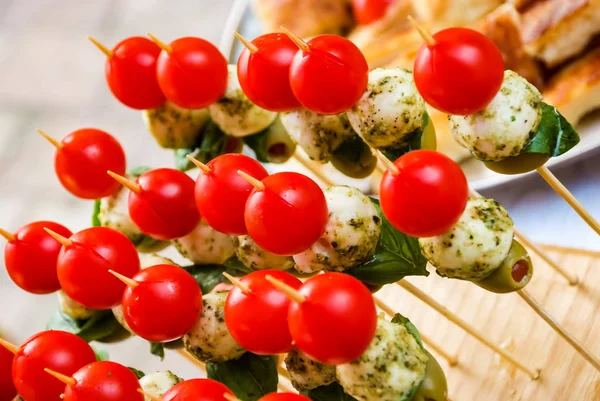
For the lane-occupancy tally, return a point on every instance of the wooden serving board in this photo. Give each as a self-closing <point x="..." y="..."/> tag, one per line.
<point x="483" y="376"/>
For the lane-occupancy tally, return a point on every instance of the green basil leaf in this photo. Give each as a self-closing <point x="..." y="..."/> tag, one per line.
<point x="137" y="171"/>
<point x="158" y="349"/>
<point x="208" y="276"/>
<point x="257" y="143"/>
<point x="95" y="219"/>
<point x="554" y="136"/>
<point x="101" y="353"/>
<point x="412" y="329"/>
<point x="233" y="263"/>
<point x="213" y="143"/>
<point x="101" y="325"/>
<point x="397" y="255"/>
<point x="331" y="392"/>
<point x="147" y="244"/>
<point x="138" y="373"/>
<point x="250" y="377"/>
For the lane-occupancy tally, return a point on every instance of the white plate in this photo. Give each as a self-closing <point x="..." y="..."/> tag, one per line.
<point x="243" y="20"/>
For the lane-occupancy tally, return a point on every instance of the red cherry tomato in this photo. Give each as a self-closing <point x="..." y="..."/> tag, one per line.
<point x="222" y="194"/>
<point x="131" y="73"/>
<point x="83" y="159"/>
<point x="149" y="307"/>
<point x="337" y="321"/>
<point x="368" y="11"/>
<point x="193" y="74"/>
<point x="288" y="216"/>
<point x="83" y="267"/>
<point x="461" y="73"/>
<point x="103" y="381"/>
<point x="283" y="397"/>
<point x="428" y="195"/>
<point x="59" y="351"/>
<point x="265" y="331"/>
<point x="197" y="390"/>
<point x="31" y="257"/>
<point x="329" y="77"/>
<point x="7" y="388"/>
<point x="164" y="208"/>
<point x="265" y="74"/>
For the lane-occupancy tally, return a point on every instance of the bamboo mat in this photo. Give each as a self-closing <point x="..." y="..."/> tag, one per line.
<point x="481" y="375"/>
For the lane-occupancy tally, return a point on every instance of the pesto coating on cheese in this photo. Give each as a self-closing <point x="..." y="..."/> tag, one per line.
<point x="174" y="127"/>
<point x="254" y="257"/>
<point x="307" y="374"/>
<point x="205" y="245"/>
<point x="158" y="383"/>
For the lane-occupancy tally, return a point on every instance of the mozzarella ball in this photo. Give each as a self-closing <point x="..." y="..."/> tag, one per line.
<point x="174" y="127"/>
<point x="351" y="234"/>
<point x="506" y="125"/>
<point x="390" y="369"/>
<point x="390" y="110"/>
<point x="235" y="114"/>
<point x="158" y="383"/>
<point x="209" y="340"/>
<point x="120" y="317"/>
<point x="306" y="374"/>
<point x="72" y="308"/>
<point x="476" y="245"/>
<point x="318" y="135"/>
<point x="205" y="245"/>
<point x="254" y="257"/>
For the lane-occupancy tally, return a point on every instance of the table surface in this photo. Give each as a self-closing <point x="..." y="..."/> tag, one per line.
<point x="52" y="78"/>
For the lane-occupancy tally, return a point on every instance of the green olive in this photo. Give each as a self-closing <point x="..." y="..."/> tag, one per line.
<point x="428" y="139"/>
<point x="523" y="163"/>
<point x="354" y="158"/>
<point x="513" y="274"/>
<point x="278" y="144"/>
<point x="434" y="386"/>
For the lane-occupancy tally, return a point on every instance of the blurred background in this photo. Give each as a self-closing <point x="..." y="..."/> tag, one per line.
<point x="52" y="78"/>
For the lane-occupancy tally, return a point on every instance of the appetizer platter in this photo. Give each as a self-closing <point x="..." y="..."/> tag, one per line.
<point x="292" y="288"/>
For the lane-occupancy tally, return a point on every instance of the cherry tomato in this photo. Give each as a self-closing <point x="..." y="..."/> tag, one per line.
<point x="283" y="397"/>
<point x="329" y="77"/>
<point x="131" y="73"/>
<point x="427" y="196"/>
<point x="197" y="390"/>
<point x="222" y="194"/>
<point x="264" y="75"/>
<point x="368" y="11"/>
<point x="7" y="388"/>
<point x="461" y="73"/>
<point x="193" y="74"/>
<point x="166" y="303"/>
<point x="164" y="207"/>
<point x="337" y="321"/>
<point x="288" y="216"/>
<point x="265" y="331"/>
<point x="83" y="267"/>
<point x="59" y="351"/>
<point x="30" y="258"/>
<point x="82" y="160"/>
<point x="103" y="381"/>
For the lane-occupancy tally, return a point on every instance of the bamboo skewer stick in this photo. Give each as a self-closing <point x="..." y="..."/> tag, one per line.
<point x="451" y="359"/>
<point x="310" y="166"/>
<point x="466" y="327"/>
<point x="559" y="329"/>
<point x="569" y="198"/>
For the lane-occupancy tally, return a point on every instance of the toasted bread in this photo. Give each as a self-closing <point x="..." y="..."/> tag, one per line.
<point x="439" y="14"/>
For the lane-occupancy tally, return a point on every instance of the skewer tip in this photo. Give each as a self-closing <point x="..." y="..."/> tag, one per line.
<point x="109" y="53"/>
<point x="238" y="283"/>
<point x="247" y="44"/>
<point x="160" y="43"/>
<point x="425" y="34"/>
<point x="8" y="235"/>
<point x="203" y="167"/>
<point x="53" y="141"/>
<point x="253" y="181"/>
<point x="387" y="163"/>
<point x="64" y="241"/>
<point x="68" y="380"/>
<point x="299" y="42"/>
<point x="291" y="292"/>
<point x="131" y="283"/>
<point x="126" y="182"/>
<point x="11" y="347"/>
<point x="230" y="397"/>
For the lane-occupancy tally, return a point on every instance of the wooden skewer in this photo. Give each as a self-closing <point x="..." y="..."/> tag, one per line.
<point x="64" y="241"/>
<point x="569" y="198"/>
<point x="8" y="235"/>
<point x="291" y="292"/>
<point x="68" y="380"/>
<point x="247" y="44"/>
<point x="126" y="182"/>
<point x="203" y="167"/>
<point x="109" y="53"/>
<point x="387" y="163"/>
<point x="53" y="141"/>
<point x="152" y="397"/>
<point x="311" y="167"/>
<point x="299" y="42"/>
<point x="238" y="283"/>
<point x="425" y="34"/>
<point x="230" y="397"/>
<point x="255" y="182"/>
<point x="131" y="283"/>
<point x="160" y="43"/>
<point x="11" y="347"/>
<point x="451" y="359"/>
<point x="559" y="329"/>
<point x="467" y="327"/>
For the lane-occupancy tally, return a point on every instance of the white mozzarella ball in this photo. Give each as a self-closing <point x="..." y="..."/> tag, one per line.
<point x="389" y="370"/>
<point x="158" y="383"/>
<point x="476" y="245"/>
<point x="209" y="340"/>
<point x="205" y="245"/>
<point x="235" y="114"/>
<point x="506" y="125"/>
<point x="351" y="234"/>
<point x="390" y="110"/>
<point x="254" y="257"/>
<point x="174" y="127"/>
<point x="318" y="135"/>
<point x="72" y="308"/>
<point x="307" y="374"/>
